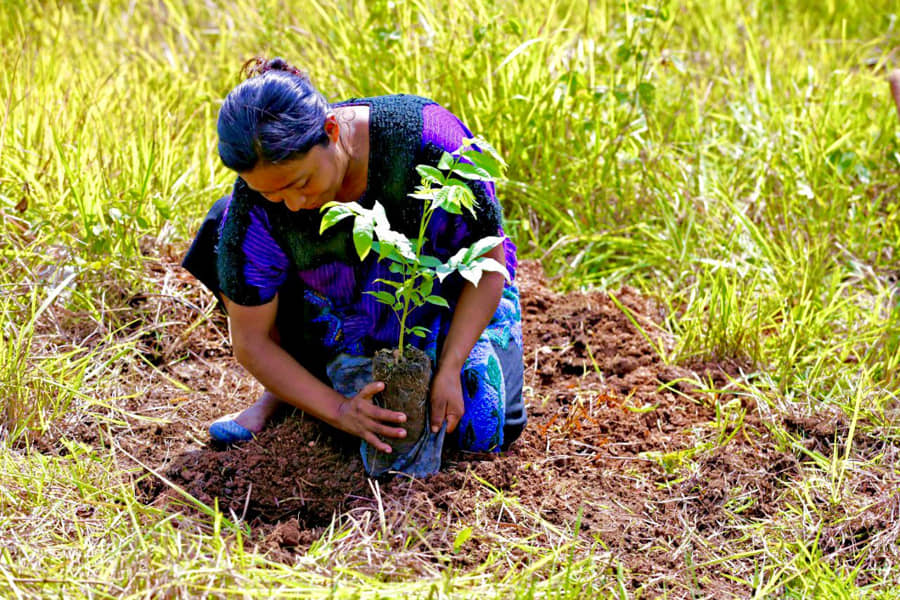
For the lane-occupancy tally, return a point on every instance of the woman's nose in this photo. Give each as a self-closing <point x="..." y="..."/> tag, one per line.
<point x="294" y="202"/>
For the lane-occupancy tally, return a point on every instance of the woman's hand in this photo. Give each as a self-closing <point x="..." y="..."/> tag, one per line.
<point x="360" y="416"/>
<point x="447" y="402"/>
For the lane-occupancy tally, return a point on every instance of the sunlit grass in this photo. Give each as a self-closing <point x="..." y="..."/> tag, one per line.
<point x="738" y="161"/>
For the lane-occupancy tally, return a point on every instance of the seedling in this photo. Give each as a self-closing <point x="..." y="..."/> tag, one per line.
<point x="443" y="187"/>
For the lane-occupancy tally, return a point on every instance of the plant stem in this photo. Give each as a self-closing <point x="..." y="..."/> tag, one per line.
<point x="405" y="313"/>
<point x="408" y="290"/>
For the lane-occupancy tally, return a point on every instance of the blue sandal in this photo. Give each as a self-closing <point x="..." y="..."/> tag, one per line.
<point x="227" y="431"/>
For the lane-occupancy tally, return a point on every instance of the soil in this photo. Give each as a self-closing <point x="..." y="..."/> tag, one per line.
<point x="646" y="465"/>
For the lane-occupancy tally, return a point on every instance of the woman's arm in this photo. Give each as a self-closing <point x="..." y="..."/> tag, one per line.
<point x="474" y="310"/>
<point x="277" y="370"/>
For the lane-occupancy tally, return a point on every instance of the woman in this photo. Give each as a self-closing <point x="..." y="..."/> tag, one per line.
<point x="300" y="320"/>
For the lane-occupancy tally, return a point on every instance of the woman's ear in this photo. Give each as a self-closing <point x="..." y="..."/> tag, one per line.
<point x="332" y="128"/>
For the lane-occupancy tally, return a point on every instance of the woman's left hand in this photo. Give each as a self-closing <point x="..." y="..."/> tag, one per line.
<point x="446" y="400"/>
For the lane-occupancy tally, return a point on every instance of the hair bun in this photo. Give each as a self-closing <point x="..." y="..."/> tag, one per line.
<point x="259" y="65"/>
<point x="277" y="64"/>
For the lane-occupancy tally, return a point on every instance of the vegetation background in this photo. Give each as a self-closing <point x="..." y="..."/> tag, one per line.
<point x="738" y="160"/>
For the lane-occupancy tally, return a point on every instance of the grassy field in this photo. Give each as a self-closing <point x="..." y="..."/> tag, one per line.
<point x="738" y="162"/>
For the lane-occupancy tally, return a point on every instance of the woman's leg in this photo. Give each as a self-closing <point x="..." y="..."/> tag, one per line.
<point x="492" y="391"/>
<point x="513" y="366"/>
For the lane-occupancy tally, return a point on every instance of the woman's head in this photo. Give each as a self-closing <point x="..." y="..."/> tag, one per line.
<point x="274" y="115"/>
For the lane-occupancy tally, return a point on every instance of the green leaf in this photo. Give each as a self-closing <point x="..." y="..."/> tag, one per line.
<point x="485" y="147"/>
<point x="437" y="301"/>
<point x="455" y="196"/>
<point x="513" y="26"/>
<point x="394" y="284"/>
<point x="419" y="331"/>
<point x="451" y="266"/>
<point x="456" y="260"/>
<point x="163" y="207"/>
<point x="379" y="217"/>
<point x="422" y="194"/>
<point x="431" y="174"/>
<point x="380" y="249"/>
<point x="427" y="284"/>
<point x="446" y="162"/>
<point x="488" y="163"/>
<point x="461" y="538"/>
<point x="472" y="172"/>
<point x="401" y="245"/>
<point x="429" y="261"/>
<point x="333" y="216"/>
<point x="443" y="198"/>
<point x="471" y="273"/>
<point x="489" y="264"/>
<point x="389" y="251"/>
<point x="362" y="237"/>
<point x="383" y="297"/>
<point x="458" y="183"/>
<point x="444" y="271"/>
<point x="481" y="246"/>
<point x="396" y="250"/>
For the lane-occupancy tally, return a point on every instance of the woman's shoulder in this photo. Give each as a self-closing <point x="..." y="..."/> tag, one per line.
<point x="245" y="203"/>
<point x="403" y="120"/>
<point x="395" y="137"/>
<point x="243" y="212"/>
<point x="388" y="101"/>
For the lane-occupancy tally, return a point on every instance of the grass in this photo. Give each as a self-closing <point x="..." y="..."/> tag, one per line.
<point x="737" y="161"/>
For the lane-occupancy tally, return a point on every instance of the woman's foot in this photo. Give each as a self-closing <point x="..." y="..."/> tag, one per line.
<point x="240" y="427"/>
<point x="255" y="417"/>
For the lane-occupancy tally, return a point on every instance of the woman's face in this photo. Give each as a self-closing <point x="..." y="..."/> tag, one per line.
<point x="304" y="183"/>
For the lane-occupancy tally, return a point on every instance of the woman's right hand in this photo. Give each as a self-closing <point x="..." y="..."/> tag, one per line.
<point x="360" y="416"/>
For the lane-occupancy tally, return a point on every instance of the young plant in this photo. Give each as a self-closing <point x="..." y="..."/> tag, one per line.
<point x="443" y="187"/>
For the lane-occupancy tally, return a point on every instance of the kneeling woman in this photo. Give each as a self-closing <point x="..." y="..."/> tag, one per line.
<point x="300" y="320"/>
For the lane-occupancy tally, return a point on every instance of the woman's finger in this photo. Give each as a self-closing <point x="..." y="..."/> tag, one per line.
<point x="452" y="421"/>
<point x="384" y="415"/>
<point x="373" y="441"/>
<point x="455" y="412"/>
<point x="372" y="410"/>
<point x="370" y="390"/>
<point x="438" y="413"/>
<point x="391" y="432"/>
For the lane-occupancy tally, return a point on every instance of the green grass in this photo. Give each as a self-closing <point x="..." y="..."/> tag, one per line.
<point x="739" y="161"/>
